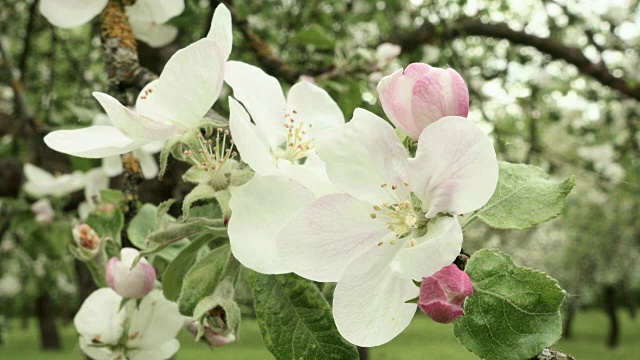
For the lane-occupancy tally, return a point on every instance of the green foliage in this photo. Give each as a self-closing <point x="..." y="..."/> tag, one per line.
<point x="107" y="223"/>
<point x="173" y="276"/>
<point x="202" y="279"/>
<point x="525" y="197"/>
<point x="317" y="36"/>
<point x="296" y="320"/>
<point x="514" y="312"/>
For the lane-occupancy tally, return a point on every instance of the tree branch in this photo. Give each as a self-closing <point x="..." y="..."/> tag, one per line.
<point x="121" y="54"/>
<point x="429" y="34"/>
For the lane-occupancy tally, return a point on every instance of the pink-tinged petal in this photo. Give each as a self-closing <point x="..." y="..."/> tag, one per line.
<point x="130" y="283"/>
<point x="252" y="146"/>
<point x="369" y="303"/>
<point x="438" y="94"/>
<point x="455" y="169"/>
<point x="320" y="240"/>
<point x="442" y="294"/>
<point x="437" y="248"/>
<point x="395" y="92"/>
<point x="131" y="124"/>
<point x="262" y="95"/>
<point x="260" y="208"/>
<point x="363" y="155"/>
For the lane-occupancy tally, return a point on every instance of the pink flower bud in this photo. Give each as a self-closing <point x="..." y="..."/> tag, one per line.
<point x="442" y="294"/>
<point x="87" y="239"/>
<point x="420" y="95"/>
<point x="130" y="283"/>
<point x="43" y="211"/>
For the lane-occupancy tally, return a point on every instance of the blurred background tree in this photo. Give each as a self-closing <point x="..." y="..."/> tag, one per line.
<point x="554" y="82"/>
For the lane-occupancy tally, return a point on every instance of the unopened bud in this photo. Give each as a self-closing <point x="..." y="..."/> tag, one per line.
<point x="86" y="238"/>
<point x="130" y="283"/>
<point x="211" y="337"/>
<point x="442" y="294"/>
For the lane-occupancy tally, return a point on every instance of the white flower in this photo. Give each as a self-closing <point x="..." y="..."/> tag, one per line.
<point x="147" y="17"/>
<point x="279" y="147"/>
<point x="95" y="181"/>
<point x="9" y="286"/>
<point x="43" y="210"/>
<point x="39" y="183"/>
<point x="388" y="227"/>
<point x="386" y="53"/>
<point x="112" y="165"/>
<point x="150" y="334"/>
<point x="172" y="105"/>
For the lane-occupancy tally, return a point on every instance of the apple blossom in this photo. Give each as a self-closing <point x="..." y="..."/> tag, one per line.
<point x="386" y="53"/>
<point x="210" y="337"/>
<point x="147" y="17"/>
<point x="95" y="181"/>
<point x="279" y="147"/>
<point x="112" y="165"/>
<point x="43" y="211"/>
<point x="395" y="222"/>
<point x="132" y="283"/>
<point x="144" y="333"/>
<point x="420" y="94"/>
<point x="166" y="108"/>
<point x="40" y="183"/>
<point x="442" y="294"/>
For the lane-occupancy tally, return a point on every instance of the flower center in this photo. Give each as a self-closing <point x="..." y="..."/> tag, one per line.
<point x="298" y="142"/>
<point x="403" y="216"/>
<point x="214" y="158"/>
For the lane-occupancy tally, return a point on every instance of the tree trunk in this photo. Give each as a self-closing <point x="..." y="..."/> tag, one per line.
<point x="570" y="315"/>
<point x="363" y="352"/>
<point x="610" y="308"/>
<point x="49" y="337"/>
<point x="629" y="301"/>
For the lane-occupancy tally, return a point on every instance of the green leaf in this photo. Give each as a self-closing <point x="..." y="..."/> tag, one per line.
<point x="514" y="312"/>
<point x="525" y="197"/>
<point x="174" y="274"/>
<point x="317" y="36"/>
<point x="110" y="196"/>
<point x="200" y="192"/>
<point x="296" y="321"/>
<point x="107" y="224"/>
<point x="202" y="279"/>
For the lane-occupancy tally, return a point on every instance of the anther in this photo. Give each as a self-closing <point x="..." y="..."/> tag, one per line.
<point x="373" y="215"/>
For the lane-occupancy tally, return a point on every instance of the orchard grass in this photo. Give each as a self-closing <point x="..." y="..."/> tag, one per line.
<point x="423" y="339"/>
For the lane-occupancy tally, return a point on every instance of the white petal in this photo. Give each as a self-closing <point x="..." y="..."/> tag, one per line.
<point x="133" y="125"/>
<point x="259" y="209"/>
<point x="84" y="209"/>
<point x="252" y="147"/>
<point x="155" y="35"/>
<point x="156" y="322"/>
<point x="95" y="352"/>
<point x="369" y="301"/>
<point x="71" y="13"/>
<point x="112" y="165"/>
<point x="155" y="11"/>
<point x="99" y="318"/>
<point x="455" y="168"/>
<point x="312" y="174"/>
<point x="148" y="164"/>
<point x="262" y="95"/>
<point x="154" y="147"/>
<point x="310" y="104"/>
<point x="95" y="181"/>
<point x="320" y="240"/>
<point x="188" y="86"/>
<point x="164" y="351"/>
<point x="34" y="173"/>
<point x="363" y="155"/>
<point x="220" y="30"/>
<point x="436" y="249"/>
<point x="92" y="142"/>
